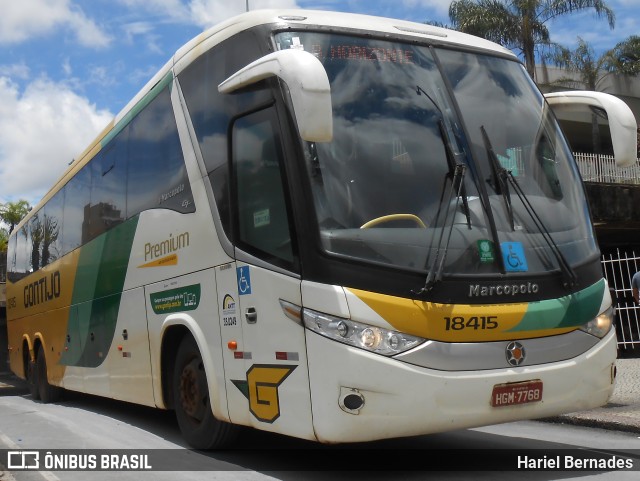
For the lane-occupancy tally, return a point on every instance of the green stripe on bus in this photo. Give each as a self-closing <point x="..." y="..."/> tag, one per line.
<point x="569" y="311"/>
<point x="101" y="271"/>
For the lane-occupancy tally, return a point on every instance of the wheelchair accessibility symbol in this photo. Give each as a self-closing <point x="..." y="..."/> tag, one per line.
<point x="244" y="280"/>
<point x="513" y="256"/>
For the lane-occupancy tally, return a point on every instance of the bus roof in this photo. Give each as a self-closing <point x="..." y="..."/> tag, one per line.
<point x="286" y="18"/>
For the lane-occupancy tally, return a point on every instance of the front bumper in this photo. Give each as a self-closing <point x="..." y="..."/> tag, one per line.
<point x="402" y="399"/>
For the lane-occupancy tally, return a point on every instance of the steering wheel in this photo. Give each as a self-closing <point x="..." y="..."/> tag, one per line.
<point x="392" y="217"/>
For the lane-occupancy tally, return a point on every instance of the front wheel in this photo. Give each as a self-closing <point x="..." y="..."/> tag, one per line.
<point x="192" y="404"/>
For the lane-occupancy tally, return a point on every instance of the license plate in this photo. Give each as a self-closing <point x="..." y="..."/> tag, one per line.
<point x="514" y="393"/>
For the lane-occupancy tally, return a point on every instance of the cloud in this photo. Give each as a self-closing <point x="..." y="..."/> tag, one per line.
<point x="440" y="7"/>
<point x="24" y="19"/>
<point x="144" y="30"/>
<point x="41" y="130"/>
<point x="101" y="75"/>
<point x="565" y="30"/>
<point x="18" y="71"/>
<point x="133" y="29"/>
<point x="206" y="13"/>
<point x="174" y="10"/>
<point x="203" y="13"/>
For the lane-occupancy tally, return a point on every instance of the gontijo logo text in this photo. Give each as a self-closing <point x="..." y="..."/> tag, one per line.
<point x="44" y="289"/>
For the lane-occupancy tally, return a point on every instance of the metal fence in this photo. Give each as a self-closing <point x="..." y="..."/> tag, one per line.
<point x="602" y="168"/>
<point x="619" y="268"/>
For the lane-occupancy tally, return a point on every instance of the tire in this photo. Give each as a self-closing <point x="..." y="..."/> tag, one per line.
<point x="191" y="400"/>
<point x="47" y="392"/>
<point x="32" y="380"/>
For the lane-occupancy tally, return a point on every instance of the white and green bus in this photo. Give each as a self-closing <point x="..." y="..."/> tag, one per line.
<point x="335" y="227"/>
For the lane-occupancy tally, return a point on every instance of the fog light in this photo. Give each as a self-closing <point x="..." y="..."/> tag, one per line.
<point x="351" y="400"/>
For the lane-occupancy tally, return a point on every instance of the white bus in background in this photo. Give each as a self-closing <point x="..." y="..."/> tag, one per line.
<point x="331" y="226"/>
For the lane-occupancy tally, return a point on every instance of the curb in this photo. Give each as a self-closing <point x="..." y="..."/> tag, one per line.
<point x="612" y="423"/>
<point x="622" y="413"/>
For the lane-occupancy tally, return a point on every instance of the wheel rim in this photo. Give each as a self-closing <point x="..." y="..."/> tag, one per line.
<point x="193" y="392"/>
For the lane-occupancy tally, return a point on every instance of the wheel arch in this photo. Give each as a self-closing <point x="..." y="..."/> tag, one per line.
<point x="173" y="332"/>
<point x="30" y="349"/>
<point x="28" y="354"/>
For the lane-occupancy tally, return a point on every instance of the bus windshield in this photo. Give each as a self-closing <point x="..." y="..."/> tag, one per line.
<point x="441" y="159"/>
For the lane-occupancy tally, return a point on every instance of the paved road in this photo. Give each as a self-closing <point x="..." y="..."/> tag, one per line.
<point x="106" y="424"/>
<point x="88" y="424"/>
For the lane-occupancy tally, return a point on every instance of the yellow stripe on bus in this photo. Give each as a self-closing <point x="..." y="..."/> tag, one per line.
<point x="453" y="322"/>
<point x="170" y="260"/>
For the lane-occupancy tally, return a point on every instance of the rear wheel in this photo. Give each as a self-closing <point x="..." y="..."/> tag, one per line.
<point x="192" y="404"/>
<point x="46" y="391"/>
<point x="32" y="379"/>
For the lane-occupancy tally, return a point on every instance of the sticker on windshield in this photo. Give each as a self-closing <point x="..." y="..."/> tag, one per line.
<point x="261" y="218"/>
<point x="485" y="249"/>
<point x="514" y="258"/>
<point x="295" y="44"/>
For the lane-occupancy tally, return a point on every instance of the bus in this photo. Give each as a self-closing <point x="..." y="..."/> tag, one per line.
<point x="336" y="227"/>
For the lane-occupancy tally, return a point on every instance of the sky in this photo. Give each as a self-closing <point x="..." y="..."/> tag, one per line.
<point x="67" y="67"/>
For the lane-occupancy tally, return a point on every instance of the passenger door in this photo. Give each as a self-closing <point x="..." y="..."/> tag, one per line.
<point x="272" y="392"/>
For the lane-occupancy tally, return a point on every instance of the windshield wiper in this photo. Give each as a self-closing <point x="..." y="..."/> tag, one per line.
<point x="453" y="165"/>
<point x="569" y="276"/>
<point x="452" y="157"/>
<point x="502" y="179"/>
<point x="455" y="189"/>
<point x="500" y="175"/>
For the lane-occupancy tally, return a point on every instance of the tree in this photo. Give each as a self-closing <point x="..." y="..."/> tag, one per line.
<point x="50" y="233"/>
<point x="12" y="213"/>
<point x="37" y="235"/>
<point x="4" y="240"/>
<point x="591" y="70"/>
<point x="624" y="58"/>
<point x="519" y="24"/>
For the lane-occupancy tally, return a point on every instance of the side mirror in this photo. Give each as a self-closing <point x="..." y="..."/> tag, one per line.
<point x="622" y="123"/>
<point x="308" y="84"/>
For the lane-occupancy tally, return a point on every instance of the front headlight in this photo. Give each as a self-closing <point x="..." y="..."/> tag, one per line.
<point x="601" y="325"/>
<point x="371" y="338"/>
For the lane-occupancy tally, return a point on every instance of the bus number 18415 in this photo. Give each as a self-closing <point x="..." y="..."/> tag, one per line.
<point x="459" y="323"/>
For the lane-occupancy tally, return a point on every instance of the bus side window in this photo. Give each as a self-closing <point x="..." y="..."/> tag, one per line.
<point x="108" y="183"/>
<point x="211" y="111"/>
<point x="77" y="199"/>
<point x="53" y="228"/>
<point x="12" y="271"/>
<point x="262" y="220"/>
<point x="157" y="176"/>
